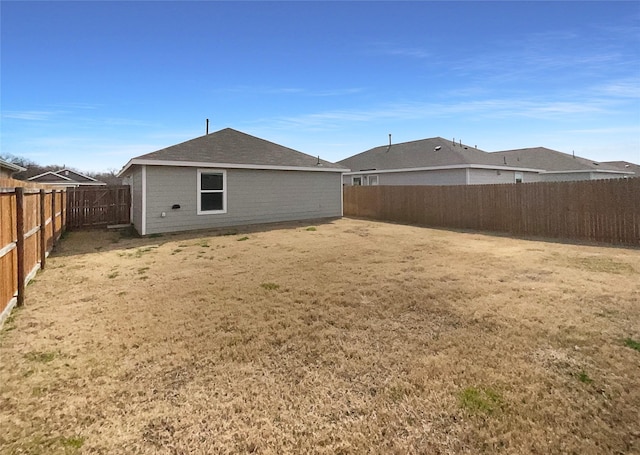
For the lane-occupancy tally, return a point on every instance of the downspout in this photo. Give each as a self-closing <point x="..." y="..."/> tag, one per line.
<point x="467" y="178"/>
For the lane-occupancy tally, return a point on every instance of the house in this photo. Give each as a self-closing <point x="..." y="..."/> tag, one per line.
<point x="65" y="177"/>
<point x="625" y="166"/>
<point x="8" y="169"/>
<point x="434" y="161"/>
<point x="558" y="166"/>
<point x="229" y="178"/>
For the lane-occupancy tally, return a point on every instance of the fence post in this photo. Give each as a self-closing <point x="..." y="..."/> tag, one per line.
<point x="20" y="242"/>
<point x="43" y="229"/>
<point x="63" y="209"/>
<point x="53" y="215"/>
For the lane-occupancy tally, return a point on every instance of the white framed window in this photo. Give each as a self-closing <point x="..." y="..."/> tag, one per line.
<point x="518" y="177"/>
<point x="373" y="180"/>
<point x="212" y="191"/>
<point x="356" y="181"/>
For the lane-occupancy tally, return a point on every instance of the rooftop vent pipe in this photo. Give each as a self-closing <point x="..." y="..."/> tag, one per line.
<point x="389" y="147"/>
<point x="207" y="126"/>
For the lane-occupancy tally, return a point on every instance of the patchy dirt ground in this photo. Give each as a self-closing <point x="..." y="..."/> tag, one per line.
<point x="345" y="337"/>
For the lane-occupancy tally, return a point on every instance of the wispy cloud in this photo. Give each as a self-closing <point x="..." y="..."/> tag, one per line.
<point x="488" y="108"/>
<point x="49" y="112"/>
<point x="629" y="88"/>
<point x="77" y="106"/>
<point x="613" y="130"/>
<point x="30" y="115"/>
<point x="308" y="92"/>
<point x="397" y="50"/>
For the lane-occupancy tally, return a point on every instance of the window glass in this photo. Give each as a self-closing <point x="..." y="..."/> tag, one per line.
<point x="373" y="180"/>
<point x="518" y="177"/>
<point x="211" y="201"/>
<point x="357" y="181"/>
<point x="212" y="197"/>
<point x="211" y="182"/>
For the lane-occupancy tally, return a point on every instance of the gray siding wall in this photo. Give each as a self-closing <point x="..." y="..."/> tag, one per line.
<point x="253" y="197"/>
<point x="576" y="176"/>
<point x="491" y="176"/>
<point x="438" y="177"/>
<point x="135" y="182"/>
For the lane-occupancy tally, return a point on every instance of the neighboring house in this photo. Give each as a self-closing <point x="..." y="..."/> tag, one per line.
<point x="558" y="166"/>
<point x="8" y="169"/>
<point x="65" y="177"/>
<point x="229" y="178"/>
<point x="625" y="166"/>
<point x="434" y="161"/>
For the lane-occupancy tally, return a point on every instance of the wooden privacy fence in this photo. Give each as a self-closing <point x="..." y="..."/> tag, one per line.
<point x="598" y="210"/>
<point x="32" y="219"/>
<point x="94" y="207"/>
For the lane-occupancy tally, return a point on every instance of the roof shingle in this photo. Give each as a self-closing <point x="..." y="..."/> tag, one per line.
<point x="229" y="146"/>
<point x="433" y="152"/>
<point x="551" y="160"/>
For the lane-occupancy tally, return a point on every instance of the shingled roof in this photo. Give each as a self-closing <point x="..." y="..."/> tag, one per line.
<point x="552" y="161"/>
<point x="425" y="153"/>
<point x="65" y="177"/>
<point x="232" y="148"/>
<point x="625" y="166"/>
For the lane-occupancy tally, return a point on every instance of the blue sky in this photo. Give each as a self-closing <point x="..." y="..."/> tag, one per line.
<point x="93" y="84"/>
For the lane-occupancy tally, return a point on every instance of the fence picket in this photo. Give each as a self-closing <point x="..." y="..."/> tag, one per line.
<point x="96" y="207"/>
<point x="25" y="237"/>
<point x="598" y="210"/>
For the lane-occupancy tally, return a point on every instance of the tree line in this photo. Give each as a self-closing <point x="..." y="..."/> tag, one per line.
<point x="32" y="169"/>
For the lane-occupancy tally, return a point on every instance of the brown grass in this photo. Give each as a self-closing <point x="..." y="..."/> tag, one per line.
<point x="358" y="337"/>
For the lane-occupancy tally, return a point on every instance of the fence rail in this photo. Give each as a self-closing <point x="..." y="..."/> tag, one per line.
<point x="598" y="210"/>
<point x="95" y="207"/>
<point x="32" y="219"/>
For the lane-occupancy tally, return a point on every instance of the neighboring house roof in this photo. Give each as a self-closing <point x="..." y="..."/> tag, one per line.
<point x="553" y="161"/>
<point x="433" y="153"/>
<point x="229" y="148"/>
<point x="625" y="166"/>
<point x="49" y="176"/>
<point x="12" y="167"/>
<point x="65" y="177"/>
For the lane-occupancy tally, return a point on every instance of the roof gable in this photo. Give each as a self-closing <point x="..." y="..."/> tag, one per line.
<point x="231" y="147"/>
<point x="65" y="176"/>
<point x="75" y="176"/>
<point x="49" y="176"/>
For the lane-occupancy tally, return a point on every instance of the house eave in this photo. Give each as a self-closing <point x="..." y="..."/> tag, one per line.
<point x="13" y="168"/>
<point x="447" y="167"/>
<point x="598" y="171"/>
<point x="200" y="164"/>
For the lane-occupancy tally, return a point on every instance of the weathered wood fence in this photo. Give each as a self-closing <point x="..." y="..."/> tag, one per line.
<point x="96" y="207"/>
<point x="32" y="219"/>
<point x="598" y="210"/>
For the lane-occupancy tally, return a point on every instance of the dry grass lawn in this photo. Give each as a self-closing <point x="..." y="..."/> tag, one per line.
<point x="353" y="337"/>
